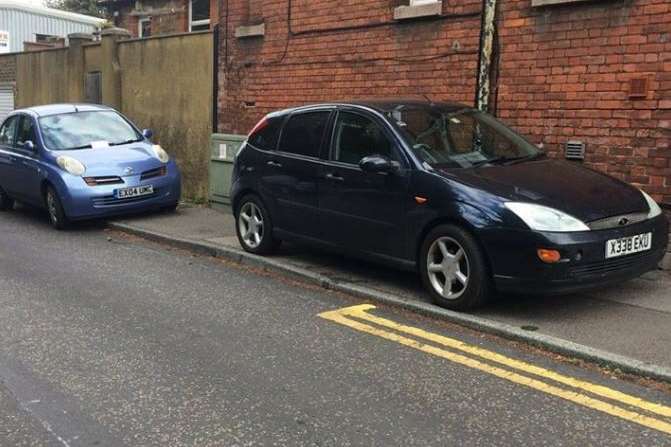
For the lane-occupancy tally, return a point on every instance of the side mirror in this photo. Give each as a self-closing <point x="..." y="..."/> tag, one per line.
<point x="378" y="164"/>
<point x="147" y="133"/>
<point x="28" y="145"/>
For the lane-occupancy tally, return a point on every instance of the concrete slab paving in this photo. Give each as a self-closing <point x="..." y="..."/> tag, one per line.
<point x="631" y="319"/>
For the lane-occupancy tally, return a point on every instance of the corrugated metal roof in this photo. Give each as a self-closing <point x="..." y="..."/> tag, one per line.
<point x="50" y="12"/>
<point x="22" y="22"/>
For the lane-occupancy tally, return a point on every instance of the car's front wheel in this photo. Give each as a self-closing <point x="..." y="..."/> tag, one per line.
<point x="54" y="206"/>
<point x="254" y="226"/>
<point x="453" y="268"/>
<point x="6" y="202"/>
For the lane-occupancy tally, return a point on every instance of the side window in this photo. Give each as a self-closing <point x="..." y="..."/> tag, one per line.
<point x="26" y="131"/>
<point x="266" y="137"/>
<point x="304" y="132"/>
<point x="357" y="137"/>
<point x="8" y="131"/>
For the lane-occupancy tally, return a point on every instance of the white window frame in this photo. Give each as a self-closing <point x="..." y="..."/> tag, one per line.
<point x="197" y="22"/>
<point x="139" y="25"/>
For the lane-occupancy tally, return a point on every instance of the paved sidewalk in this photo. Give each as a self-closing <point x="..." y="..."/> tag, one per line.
<point x="631" y="320"/>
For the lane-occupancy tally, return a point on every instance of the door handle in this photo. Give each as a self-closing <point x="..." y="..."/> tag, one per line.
<point x="274" y="164"/>
<point x="334" y="177"/>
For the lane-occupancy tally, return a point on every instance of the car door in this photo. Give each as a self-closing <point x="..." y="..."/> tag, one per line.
<point x="361" y="210"/>
<point x="291" y="173"/>
<point x="26" y="161"/>
<point x="7" y="159"/>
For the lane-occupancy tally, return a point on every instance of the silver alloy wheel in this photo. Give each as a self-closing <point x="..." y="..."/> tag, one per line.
<point x="51" y="207"/>
<point x="448" y="268"/>
<point x="250" y="224"/>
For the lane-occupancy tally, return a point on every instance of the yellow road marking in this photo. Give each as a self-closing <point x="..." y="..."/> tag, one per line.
<point x="360" y="312"/>
<point x="341" y="317"/>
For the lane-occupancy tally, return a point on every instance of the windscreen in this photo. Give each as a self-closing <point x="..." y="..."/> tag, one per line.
<point x="462" y="138"/>
<point x="82" y="130"/>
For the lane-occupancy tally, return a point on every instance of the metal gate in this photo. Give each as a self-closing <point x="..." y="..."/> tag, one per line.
<point x="6" y="100"/>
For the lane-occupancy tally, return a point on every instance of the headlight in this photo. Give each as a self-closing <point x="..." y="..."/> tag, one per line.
<point x="69" y="164"/>
<point x="655" y="209"/>
<point x="543" y="218"/>
<point x="160" y="153"/>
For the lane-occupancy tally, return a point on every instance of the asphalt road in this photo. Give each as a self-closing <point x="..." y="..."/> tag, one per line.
<point x="110" y="340"/>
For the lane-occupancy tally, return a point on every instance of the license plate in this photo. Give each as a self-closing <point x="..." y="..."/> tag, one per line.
<point x="628" y="245"/>
<point x="135" y="191"/>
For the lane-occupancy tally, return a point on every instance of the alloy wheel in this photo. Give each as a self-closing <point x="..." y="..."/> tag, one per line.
<point x="250" y="222"/>
<point x="448" y="268"/>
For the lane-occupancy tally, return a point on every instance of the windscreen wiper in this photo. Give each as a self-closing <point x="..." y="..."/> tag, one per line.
<point x="85" y="146"/>
<point x="119" y="143"/>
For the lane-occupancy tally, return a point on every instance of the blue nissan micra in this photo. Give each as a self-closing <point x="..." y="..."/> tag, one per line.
<point x="82" y="161"/>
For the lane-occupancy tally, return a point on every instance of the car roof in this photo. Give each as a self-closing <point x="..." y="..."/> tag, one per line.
<point x="55" y="109"/>
<point x="383" y="105"/>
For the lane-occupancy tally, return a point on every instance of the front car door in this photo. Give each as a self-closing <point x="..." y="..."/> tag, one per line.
<point x="8" y="132"/>
<point x="363" y="211"/>
<point x="26" y="164"/>
<point x="291" y="173"/>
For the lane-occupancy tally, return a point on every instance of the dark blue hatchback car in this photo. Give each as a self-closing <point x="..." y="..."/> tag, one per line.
<point x="445" y="190"/>
<point x="83" y="161"/>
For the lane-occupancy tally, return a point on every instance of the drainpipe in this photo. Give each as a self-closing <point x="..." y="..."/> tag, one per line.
<point x="487" y="30"/>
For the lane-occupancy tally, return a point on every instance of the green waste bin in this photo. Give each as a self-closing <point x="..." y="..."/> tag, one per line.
<point x="223" y="148"/>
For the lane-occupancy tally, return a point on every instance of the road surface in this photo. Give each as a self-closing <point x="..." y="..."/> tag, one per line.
<point x="111" y="340"/>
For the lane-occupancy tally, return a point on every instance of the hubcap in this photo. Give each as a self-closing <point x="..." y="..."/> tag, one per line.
<point x="448" y="269"/>
<point x="250" y="224"/>
<point x="51" y="205"/>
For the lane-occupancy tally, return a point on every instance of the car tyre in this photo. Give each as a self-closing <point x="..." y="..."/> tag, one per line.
<point x="55" y="210"/>
<point x="254" y="227"/>
<point x="6" y="202"/>
<point x="453" y="268"/>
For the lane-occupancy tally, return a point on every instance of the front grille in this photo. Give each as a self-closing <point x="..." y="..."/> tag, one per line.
<point x="112" y="200"/>
<point x="610" y="266"/>
<point x="107" y="180"/>
<point x="617" y="221"/>
<point x="158" y="172"/>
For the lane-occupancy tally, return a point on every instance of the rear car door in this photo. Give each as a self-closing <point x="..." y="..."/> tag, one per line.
<point x="26" y="163"/>
<point x="8" y="132"/>
<point x="360" y="210"/>
<point x="290" y="175"/>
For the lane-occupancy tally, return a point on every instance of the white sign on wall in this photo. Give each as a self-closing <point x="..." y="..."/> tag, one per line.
<point x="4" y="41"/>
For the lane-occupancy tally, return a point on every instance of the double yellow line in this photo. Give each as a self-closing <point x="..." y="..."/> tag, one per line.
<point x="590" y="395"/>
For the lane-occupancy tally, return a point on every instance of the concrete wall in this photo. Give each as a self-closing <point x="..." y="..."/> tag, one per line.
<point x="162" y="83"/>
<point x="7" y="68"/>
<point x="173" y="97"/>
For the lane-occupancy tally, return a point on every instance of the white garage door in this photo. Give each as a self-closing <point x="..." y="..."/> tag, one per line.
<point x="6" y="100"/>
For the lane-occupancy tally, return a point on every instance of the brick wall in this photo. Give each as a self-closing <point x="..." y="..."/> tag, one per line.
<point x="563" y="73"/>
<point x="379" y="58"/>
<point x="7" y="68"/>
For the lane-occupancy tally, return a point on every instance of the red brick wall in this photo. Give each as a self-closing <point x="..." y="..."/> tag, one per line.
<point x="437" y="58"/>
<point x="564" y="70"/>
<point x="564" y="75"/>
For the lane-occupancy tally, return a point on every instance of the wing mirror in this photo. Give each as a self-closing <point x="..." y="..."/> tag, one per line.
<point x="147" y="133"/>
<point x="28" y="145"/>
<point x="379" y="164"/>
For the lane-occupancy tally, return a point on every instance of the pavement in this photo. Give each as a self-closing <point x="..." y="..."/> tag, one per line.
<point x="111" y="340"/>
<point x="626" y="325"/>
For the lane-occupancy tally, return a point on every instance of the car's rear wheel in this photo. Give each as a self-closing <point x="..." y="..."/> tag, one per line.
<point x="54" y="206"/>
<point x="453" y="268"/>
<point x="254" y="226"/>
<point x="6" y="202"/>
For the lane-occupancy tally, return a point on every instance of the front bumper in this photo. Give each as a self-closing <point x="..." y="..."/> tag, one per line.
<point x="81" y="201"/>
<point x="516" y="267"/>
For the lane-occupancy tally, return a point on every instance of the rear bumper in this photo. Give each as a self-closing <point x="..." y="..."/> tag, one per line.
<point x="584" y="266"/>
<point x="82" y="202"/>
